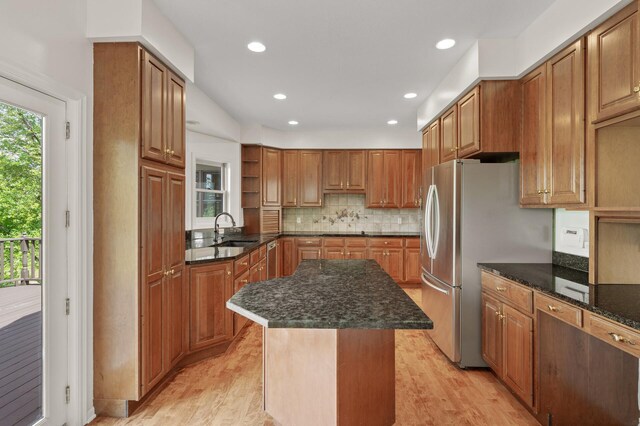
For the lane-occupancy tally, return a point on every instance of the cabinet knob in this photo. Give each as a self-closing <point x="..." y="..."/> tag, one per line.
<point x="347" y="184"/>
<point x="341" y="186"/>
<point x="386" y="242"/>
<point x="172" y="152"/>
<point x="501" y="289"/>
<point x="552" y="308"/>
<point x="172" y="272"/>
<point x="621" y="339"/>
<point x="244" y="281"/>
<point x="636" y="89"/>
<point x="228" y="272"/>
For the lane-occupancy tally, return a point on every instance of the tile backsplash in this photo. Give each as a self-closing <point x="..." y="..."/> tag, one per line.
<point x="347" y="213"/>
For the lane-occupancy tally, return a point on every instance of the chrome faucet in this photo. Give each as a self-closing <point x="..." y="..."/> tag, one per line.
<point x="216" y="227"/>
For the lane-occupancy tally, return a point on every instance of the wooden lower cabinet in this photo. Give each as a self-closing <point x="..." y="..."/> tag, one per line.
<point x="355" y="253"/>
<point x="507" y="341"/>
<point x="412" y="265"/>
<point x="391" y="260"/>
<point x="309" y="253"/>
<point x="210" y="288"/>
<point x="177" y="329"/>
<point x="289" y="256"/>
<point x="238" y="320"/>
<point x="333" y="253"/>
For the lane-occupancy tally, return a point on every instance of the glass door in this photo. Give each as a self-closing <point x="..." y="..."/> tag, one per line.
<point x="33" y="257"/>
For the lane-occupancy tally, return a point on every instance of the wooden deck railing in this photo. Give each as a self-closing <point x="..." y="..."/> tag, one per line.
<point x="20" y="261"/>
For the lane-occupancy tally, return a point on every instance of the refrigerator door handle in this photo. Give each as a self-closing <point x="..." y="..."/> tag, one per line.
<point x="436" y="236"/>
<point x="427" y="220"/>
<point x="427" y="282"/>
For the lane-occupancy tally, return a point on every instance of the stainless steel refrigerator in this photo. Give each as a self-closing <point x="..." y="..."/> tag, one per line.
<point x="471" y="214"/>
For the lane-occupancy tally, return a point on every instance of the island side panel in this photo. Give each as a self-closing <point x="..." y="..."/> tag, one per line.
<point x="300" y="375"/>
<point x="366" y="377"/>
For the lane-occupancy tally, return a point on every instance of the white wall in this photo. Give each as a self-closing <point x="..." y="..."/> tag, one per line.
<point x="570" y="219"/>
<point x="209" y="148"/>
<point x="367" y="138"/>
<point x="210" y="117"/>
<point x="43" y="45"/>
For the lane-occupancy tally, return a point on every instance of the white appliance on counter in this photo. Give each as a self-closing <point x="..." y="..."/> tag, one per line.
<point x="472" y="214"/>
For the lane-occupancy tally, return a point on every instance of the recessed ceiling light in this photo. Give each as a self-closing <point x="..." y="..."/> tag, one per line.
<point x="410" y="95"/>
<point x="293" y="123"/>
<point x="280" y="96"/>
<point x="446" y="43"/>
<point x="392" y="122"/>
<point x="256" y="46"/>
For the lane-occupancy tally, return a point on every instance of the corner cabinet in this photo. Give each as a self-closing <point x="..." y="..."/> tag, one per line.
<point x="553" y="131"/>
<point x="140" y="287"/>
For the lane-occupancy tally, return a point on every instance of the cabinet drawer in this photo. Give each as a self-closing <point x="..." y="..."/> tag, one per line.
<point x="309" y="242"/>
<point x="355" y="242"/>
<point x="240" y="282"/>
<point x="241" y="265"/>
<point x="412" y="243"/>
<point x="563" y="311"/>
<point x="515" y="294"/>
<point x="334" y="242"/>
<point x="614" y="334"/>
<point x="385" y="242"/>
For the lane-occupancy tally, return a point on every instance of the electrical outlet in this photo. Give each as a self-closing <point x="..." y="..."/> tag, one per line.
<point x="298" y="219"/>
<point x="399" y="220"/>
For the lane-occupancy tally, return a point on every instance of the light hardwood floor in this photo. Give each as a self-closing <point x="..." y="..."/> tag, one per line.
<point x="227" y="390"/>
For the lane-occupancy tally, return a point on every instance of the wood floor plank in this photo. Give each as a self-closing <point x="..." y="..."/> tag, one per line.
<point x="227" y="390"/>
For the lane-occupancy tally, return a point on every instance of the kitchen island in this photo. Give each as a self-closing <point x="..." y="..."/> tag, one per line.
<point x="329" y="345"/>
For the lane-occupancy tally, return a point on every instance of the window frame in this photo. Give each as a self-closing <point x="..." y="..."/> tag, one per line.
<point x="201" y="221"/>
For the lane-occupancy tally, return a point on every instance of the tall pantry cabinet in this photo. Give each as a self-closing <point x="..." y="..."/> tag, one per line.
<point x="140" y="291"/>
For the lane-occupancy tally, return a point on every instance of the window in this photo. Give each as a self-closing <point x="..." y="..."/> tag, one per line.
<point x="211" y="189"/>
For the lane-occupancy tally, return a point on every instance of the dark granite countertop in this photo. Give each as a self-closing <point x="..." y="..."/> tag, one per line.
<point x="618" y="302"/>
<point x="330" y="294"/>
<point x="200" y="250"/>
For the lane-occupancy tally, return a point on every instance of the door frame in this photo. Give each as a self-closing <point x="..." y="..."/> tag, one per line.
<point x="79" y="236"/>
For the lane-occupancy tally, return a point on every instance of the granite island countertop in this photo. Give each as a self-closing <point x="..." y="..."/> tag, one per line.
<point x="618" y="302"/>
<point x="204" y="250"/>
<point x="330" y="294"/>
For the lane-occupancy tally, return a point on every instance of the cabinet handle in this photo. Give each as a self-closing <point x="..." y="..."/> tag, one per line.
<point x="347" y="184"/>
<point x="386" y="242"/>
<point x="172" y="272"/>
<point x="341" y="186"/>
<point x="244" y="264"/>
<point x="244" y="281"/>
<point x="348" y="253"/>
<point x="636" y="89"/>
<point x="501" y="317"/>
<point x="295" y="200"/>
<point x="228" y="272"/>
<point x="455" y="149"/>
<point x="172" y="152"/>
<point x="501" y="289"/>
<point x="166" y="273"/>
<point x="621" y="339"/>
<point x="497" y="313"/>
<point x="552" y="308"/>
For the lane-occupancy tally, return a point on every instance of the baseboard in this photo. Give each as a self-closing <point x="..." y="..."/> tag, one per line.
<point x="90" y="416"/>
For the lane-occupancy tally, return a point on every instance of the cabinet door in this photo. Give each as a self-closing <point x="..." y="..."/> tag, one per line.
<point x="271" y="176"/>
<point x="238" y="320"/>
<point x="491" y="333"/>
<point x="290" y="162"/>
<point x="412" y="265"/>
<point x="210" y="288"/>
<point x="449" y="136"/>
<point x="532" y="147"/>
<point x="614" y="69"/>
<point x="176" y="111"/>
<point x="254" y="273"/>
<point x="356" y="171"/>
<point x="379" y="256"/>
<point x="517" y="359"/>
<point x="469" y="124"/>
<point x="394" y="265"/>
<point x="334" y="172"/>
<point x="308" y="253"/>
<point x="177" y="318"/>
<point x="263" y="269"/>
<point x="565" y="126"/>
<point x="355" y="253"/>
<point x="333" y="253"/>
<point x="411" y="178"/>
<point x="426" y="154"/>
<point x="310" y="179"/>
<point x="289" y="256"/>
<point x="434" y="149"/>
<point x="392" y="177"/>
<point x="175" y="211"/>
<point x="154" y="103"/>
<point x="376" y="179"/>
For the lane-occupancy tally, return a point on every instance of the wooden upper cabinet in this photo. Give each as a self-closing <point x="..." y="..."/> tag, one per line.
<point x="431" y="146"/>
<point x="426" y="154"/>
<point x="309" y="179"/>
<point x="614" y="65"/>
<point x="344" y="171"/>
<point x="333" y="165"/>
<point x="552" y="158"/>
<point x="565" y="126"/>
<point x="411" y="178"/>
<point x="533" y="146"/>
<point x="176" y="113"/>
<point x="376" y="180"/>
<point x="393" y="175"/>
<point x="469" y="124"/>
<point x="271" y="176"/>
<point x="163" y="113"/>
<point x="154" y="104"/>
<point x="449" y="136"/>
<point x="290" y="164"/>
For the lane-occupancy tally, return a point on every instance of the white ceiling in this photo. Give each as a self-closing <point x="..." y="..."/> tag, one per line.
<point x="342" y="63"/>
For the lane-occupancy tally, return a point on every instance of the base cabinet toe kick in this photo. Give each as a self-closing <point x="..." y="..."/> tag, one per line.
<point x="567" y="364"/>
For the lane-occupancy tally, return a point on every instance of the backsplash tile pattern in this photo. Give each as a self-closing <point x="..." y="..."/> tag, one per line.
<point x="347" y="213"/>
